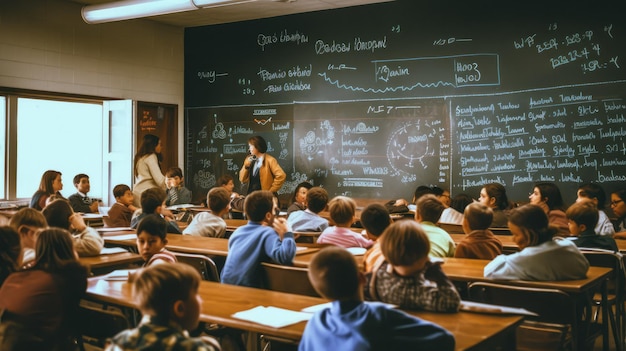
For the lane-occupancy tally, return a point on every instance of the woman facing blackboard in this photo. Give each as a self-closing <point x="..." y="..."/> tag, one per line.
<point x="260" y="170"/>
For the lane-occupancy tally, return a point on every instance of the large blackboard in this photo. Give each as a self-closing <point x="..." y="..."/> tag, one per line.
<point x="523" y="94"/>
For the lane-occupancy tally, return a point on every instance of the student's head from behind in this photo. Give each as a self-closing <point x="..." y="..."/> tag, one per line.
<point x="123" y="195"/>
<point x="27" y="222"/>
<point x="460" y="202"/>
<point x="10" y="252"/>
<point x="582" y="215"/>
<point x="593" y="192"/>
<point x="494" y="196"/>
<point x="54" y="248"/>
<point x="226" y="181"/>
<point x="58" y="214"/>
<point x="81" y="182"/>
<point x="152" y="200"/>
<point x="151" y="235"/>
<point x="618" y="203"/>
<point x="334" y="274"/>
<point x="299" y="193"/>
<point x="259" y="206"/>
<point x="405" y="246"/>
<point x="218" y="200"/>
<point x="316" y="199"/>
<point x="342" y="210"/>
<point x="173" y="177"/>
<point x="443" y="195"/>
<point x="529" y="226"/>
<point x="169" y="293"/>
<point x="477" y="217"/>
<point x="375" y="219"/>
<point x="421" y="191"/>
<point x="51" y="182"/>
<point x="428" y="209"/>
<point x="547" y="193"/>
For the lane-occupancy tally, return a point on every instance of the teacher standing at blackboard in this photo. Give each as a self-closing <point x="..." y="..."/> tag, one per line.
<point x="260" y="170"/>
<point x="148" y="172"/>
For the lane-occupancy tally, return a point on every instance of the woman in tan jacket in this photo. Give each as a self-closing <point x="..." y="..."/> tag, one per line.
<point x="260" y="170"/>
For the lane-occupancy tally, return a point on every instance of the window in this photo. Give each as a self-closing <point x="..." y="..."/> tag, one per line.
<point x="62" y="136"/>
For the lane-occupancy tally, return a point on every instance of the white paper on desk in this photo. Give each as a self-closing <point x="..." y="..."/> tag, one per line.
<point x="357" y="251"/>
<point x="119" y="275"/>
<point x="323" y="306"/>
<point x="272" y="316"/>
<point x="178" y="207"/>
<point x="471" y="306"/>
<point x="112" y="250"/>
<point x="122" y="237"/>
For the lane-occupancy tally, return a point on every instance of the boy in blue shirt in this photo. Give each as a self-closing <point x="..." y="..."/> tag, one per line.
<point x="351" y="324"/>
<point x="265" y="238"/>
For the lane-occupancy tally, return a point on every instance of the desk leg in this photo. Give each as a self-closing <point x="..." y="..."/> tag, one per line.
<point x="605" y="318"/>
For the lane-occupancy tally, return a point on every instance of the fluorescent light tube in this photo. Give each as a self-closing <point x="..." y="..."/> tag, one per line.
<point x="129" y="9"/>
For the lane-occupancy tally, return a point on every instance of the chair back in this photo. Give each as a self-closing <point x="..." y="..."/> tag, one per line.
<point x="294" y="280"/>
<point x="451" y="228"/>
<point x="556" y="310"/>
<point x="97" y="325"/>
<point x="205" y="265"/>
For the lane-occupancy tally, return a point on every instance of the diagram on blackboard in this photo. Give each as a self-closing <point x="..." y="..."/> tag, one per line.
<point x="408" y="148"/>
<point x="311" y="144"/>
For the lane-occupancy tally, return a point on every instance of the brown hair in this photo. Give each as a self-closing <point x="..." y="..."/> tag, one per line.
<point x="157" y="287"/>
<point x="151" y="199"/>
<point x="147" y="147"/>
<point x="334" y="273"/>
<point x="375" y="219"/>
<point x="10" y="250"/>
<point x="29" y="217"/>
<point x="404" y="242"/>
<point x="154" y="225"/>
<point x="217" y="199"/>
<point x="120" y="189"/>
<point x="342" y="210"/>
<point x="54" y="248"/>
<point x="479" y="216"/>
<point x="174" y="172"/>
<point x="58" y="213"/>
<point x="259" y="143"/>
<point x="429" y="208"/>
<point x="257" y="204"/>
<point x="533" y="222"/>
<point x="316" y="199"/>
<point x="584" y="212"/>
<point x="47" y="178"/>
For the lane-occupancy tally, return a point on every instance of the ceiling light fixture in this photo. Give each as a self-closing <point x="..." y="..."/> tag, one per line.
<point x="130" y="9"/>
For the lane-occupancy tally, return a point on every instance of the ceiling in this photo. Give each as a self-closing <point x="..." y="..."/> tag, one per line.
<point x="245" y="11"/>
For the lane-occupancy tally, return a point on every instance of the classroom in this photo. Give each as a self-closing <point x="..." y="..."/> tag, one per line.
<point x="368" y="99"/>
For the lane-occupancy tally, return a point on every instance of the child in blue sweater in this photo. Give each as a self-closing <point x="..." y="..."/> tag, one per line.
<point x="265" y="238"/>
<point x="351" y="324"/>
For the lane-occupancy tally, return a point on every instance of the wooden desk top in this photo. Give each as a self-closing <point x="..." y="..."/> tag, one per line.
<point x="107" y="260"/>
<point x="221" y="301"/>
<point x="507" y="241"/>
<point x="471" y="270"/>
<point x="200" y="244"/>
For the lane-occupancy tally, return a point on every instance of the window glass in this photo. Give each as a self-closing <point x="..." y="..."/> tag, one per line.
<point x="61" y="136"/>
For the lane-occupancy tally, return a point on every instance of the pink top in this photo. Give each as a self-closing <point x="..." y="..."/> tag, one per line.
<point x="343" y="237"/>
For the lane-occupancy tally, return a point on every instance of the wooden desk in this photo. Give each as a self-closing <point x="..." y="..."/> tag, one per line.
<point x="200" y="244"/>
<point x="220" y="301"/>
<point x="108" y="262"/>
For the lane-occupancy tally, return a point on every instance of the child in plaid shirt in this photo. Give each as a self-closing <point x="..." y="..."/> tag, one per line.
<point x="407" y="277"/>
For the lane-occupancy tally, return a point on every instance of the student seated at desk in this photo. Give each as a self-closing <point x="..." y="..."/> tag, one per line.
<point x="548" y="197"/>
<point x="298" y="199"/>
<point x="479" y="241"/>
<point x="596" y="194"/>
<point x="27" y="222"/>
<point x="375" y="219"/>
<point x="122" y="210"/>
<point x="153" y="202"/>
<point x="211" y="224"/>
<point x="265" y="238"/>
<point x="542" y="257"/>
<point x="177" y="194"/>
<point x="427" y="212"/>
<point x="227" y="182"/>
<point x="494" y="195"/>
<point x="583" y="217"/>
<point x="87" y="241"/>
<point x="618" y="205"/>
<point x="151" y="240"/>
<point x="79" y="201"/>
<point x="351" y="324"/>
<point x="342" y="211"/>
<point x="449" y="214"/>
<point x="41" y="303"/>
<point x="169" y="301"/>
<point x="309" y="220"/>
<point x="10" y="252"/>
<point x="407" y="277"/>
<point x="50" y="184"/>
